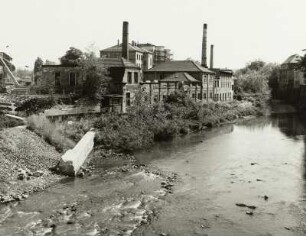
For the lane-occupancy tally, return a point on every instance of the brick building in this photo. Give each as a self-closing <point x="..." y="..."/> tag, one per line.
<point x="61" y="79"/>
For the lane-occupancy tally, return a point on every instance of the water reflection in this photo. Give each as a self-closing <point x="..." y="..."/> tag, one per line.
<point x="216" y="172"/>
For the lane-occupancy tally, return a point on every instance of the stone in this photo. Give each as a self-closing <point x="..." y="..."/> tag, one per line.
<point x="249" y="213"/>
<point x="38" y="173"/>
<point x="22" y="174"/>
<point x="266" y="197"/>
<point x="73" y="159"/>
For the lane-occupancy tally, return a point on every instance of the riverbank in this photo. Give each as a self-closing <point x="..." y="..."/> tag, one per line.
<point x="24" y="152"/>
<point x="25" y="160"/>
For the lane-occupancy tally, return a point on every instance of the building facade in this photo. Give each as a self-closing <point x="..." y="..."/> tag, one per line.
<point x="291" y="78"/>
<point x="223" y="85"/>
<point x="125" y="80"/>
<point x="160" y="53"/>
<point x="140" y="57"/>
<point x="200" y="79"/>
<point x="61" y="79"/>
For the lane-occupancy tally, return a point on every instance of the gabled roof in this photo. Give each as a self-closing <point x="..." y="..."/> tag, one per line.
<point x="293" y="59"/>
<point x="118" y="48"/>
<point x="180" y="66"/>
<point x="179" y="77"/>
<point x="118" y="62"/>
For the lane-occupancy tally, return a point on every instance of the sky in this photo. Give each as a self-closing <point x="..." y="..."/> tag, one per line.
<point x="241" y="30"/>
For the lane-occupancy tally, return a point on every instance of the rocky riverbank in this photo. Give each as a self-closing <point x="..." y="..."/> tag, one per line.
<point x="25" y="159"/>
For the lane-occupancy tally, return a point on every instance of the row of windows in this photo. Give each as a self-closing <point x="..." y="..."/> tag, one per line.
<point x="224" y="84"/>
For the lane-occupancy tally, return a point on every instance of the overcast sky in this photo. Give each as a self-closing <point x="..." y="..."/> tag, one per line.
<point x="241" y="30"/>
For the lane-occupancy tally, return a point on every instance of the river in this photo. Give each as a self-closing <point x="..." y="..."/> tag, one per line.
<point x="246" y="178"/>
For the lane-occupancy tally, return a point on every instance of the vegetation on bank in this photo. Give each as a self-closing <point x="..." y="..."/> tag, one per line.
<point x="6" y="122"/>
<point x="257" y="77"/>
<point x="145" y="123"/>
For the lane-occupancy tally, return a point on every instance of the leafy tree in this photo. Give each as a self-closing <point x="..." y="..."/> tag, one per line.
<point x="255" y="77"/>
<point x="96" y="79"/>
<point x="73" y="57"/>
<point x="38" y="65"/>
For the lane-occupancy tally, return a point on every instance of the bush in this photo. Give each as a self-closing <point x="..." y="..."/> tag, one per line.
<point x="35" y="105"/>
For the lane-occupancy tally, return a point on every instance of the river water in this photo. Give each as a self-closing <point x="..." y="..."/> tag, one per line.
<point x="235" y="164"/>
<point x="257" y="163"/>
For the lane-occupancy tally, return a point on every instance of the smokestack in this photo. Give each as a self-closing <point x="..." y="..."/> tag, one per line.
<point x="118" y="43"/>
<point x="211" y="56"/>
<point x="204" y="46"/>
<point x="125" y="40"/>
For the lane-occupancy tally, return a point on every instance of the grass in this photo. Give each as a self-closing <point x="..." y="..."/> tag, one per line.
<point x="50" y="132"/>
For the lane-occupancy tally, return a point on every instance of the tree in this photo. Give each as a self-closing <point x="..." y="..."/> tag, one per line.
<point x="73" y="57"/>
<point x="96" y="79"/>
<point x="255" y="77"/>
<point x="38" y="65"/>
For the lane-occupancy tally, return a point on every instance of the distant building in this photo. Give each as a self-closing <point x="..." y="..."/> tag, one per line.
<point x="61" y="79"/>
<point x="160" y="53"/>
<point x="223" y="84"/>
<point x="140" y="57"/>
<point x="291" y="77"/>
<point x="200" y="79"/>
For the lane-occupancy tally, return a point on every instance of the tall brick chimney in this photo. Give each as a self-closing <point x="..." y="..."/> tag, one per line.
<point x="125" y="40"/>
<point x="211" y="56"/>
<point x="204" y="46"/>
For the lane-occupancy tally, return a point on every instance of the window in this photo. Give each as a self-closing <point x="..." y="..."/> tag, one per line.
<point x="72" y="79"/>
<point x="128" y="99"/>
<point x="129" y="78"/>
<point x="136" y="77"/>
<point x="204" y="95"/>
<point x="57" y="78"/>
<point x="199" y="96"/>
<point x="193" y="95"/>
<point x="216" y="97"/>
<point x="210" y="95"/>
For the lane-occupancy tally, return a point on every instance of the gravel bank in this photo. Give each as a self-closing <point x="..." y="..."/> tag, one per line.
<point x="25" y="160"/>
